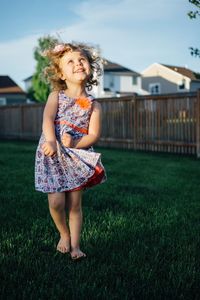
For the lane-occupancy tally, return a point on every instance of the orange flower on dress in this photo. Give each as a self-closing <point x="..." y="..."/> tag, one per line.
<point x="84" y="103"/>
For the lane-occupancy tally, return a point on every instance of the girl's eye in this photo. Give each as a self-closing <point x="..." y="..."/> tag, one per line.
<point x="82" y="59"/>
<point x="70" y="61"/>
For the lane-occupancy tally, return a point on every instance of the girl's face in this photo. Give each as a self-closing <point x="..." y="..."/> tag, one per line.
<point x="74" y="67"/>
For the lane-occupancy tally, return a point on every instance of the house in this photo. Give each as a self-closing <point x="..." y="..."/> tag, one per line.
<point x="10" y="92"/>
<point x="120" y="81"/>
<point x="164" y="79"/>
<point x="115" y="81"/>
<point x="28" y="83"/>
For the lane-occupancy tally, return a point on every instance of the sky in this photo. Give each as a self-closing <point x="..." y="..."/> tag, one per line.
<point x="133" y="33"/>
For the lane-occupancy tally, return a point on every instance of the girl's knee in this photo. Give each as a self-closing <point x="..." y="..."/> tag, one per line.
<point x="55" y="205"/>
<point x="56" y="202"/>
<point x="76" y="208"/>
<point x="74" y="202"/>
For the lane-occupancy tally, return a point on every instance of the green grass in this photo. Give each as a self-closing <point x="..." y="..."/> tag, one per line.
<point x="141" y="230"/>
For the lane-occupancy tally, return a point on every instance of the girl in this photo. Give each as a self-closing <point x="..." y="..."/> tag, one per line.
<point x="66" y="163"/>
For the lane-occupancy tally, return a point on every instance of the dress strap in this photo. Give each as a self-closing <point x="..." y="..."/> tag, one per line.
<point x="92" y="99"/>
<point x="61" y="95"/>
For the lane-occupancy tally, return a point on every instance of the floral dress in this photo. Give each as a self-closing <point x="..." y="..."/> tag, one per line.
<point x="71" y="169"/>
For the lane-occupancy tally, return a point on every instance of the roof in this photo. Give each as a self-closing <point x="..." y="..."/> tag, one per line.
<point x="28" y="78"/>
<point x="8" y="86"/>
<point x="113" y="67"/>
<point x="185" y="72"/>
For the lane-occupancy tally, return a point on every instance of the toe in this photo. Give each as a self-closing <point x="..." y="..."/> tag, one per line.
<point x="59" y="249"/>
<point x="63" y="246"/>
<point x="66" y="250"/>
<point x="78" y="255"/>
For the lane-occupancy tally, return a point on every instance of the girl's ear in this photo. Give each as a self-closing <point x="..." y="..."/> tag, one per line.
<point x="61" y="76"/>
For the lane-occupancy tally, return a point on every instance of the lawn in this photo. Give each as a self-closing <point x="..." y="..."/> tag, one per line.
<point x="141" y="230"/>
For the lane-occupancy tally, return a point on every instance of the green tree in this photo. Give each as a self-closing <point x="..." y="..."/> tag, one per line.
<point x="193" y="14"/>
<point x="30" y="94"/>
<point x="41" y="88"/>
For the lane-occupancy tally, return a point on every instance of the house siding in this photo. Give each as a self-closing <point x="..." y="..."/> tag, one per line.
<point x="195" y="85"/>
<point x="166" y="86"/>
<point x="13" y="99"/>
<point x="126" y="84"/>
<point x="112" y="82"/>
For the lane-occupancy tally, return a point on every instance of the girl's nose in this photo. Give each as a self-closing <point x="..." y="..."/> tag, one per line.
<point x="79" y="62"/>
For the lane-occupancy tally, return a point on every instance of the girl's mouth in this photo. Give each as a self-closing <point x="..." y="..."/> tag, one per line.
<point x="79" y="71"/>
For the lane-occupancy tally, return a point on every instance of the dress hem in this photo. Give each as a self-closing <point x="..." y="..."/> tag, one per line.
<point x="85" y="185"/>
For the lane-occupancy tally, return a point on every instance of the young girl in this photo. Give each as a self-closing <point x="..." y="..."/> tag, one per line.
<point x="66" y="163"/>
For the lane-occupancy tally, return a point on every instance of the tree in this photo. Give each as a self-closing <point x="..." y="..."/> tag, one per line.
<point x="41" y="88"/>
<point x="193" y="15"/>
<point x="30" y="94"/>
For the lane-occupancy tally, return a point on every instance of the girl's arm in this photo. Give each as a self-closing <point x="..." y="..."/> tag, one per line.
<point x="94" y="130"/>
<point x="48" y="127"/>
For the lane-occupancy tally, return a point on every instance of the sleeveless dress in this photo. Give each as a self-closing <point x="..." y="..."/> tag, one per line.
<point x="71" y="169"/>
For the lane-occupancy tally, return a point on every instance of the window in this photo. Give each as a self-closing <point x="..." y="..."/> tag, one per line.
<point x="2" y="101"/>
<point x="111" y="81"/>
<point x="134" y="80"/>
<point x="154" y="88"/>
<point x="181" y="85"/>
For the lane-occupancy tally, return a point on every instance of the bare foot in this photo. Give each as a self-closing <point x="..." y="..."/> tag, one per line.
<point x="76" y="254"/>
<point x="64" y="244"/>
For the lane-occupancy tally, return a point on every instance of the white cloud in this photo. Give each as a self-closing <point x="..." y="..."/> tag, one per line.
<point x="133" y="9"/>
<point x="16" y="58"/>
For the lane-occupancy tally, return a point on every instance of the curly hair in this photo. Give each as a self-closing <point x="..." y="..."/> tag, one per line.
<point x="54" y="54"/>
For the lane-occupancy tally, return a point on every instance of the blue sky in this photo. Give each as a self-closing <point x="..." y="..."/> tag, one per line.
<point x="132" y="33"/>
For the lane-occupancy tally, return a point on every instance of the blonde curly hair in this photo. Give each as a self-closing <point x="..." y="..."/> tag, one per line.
<point x="54" y="54"/>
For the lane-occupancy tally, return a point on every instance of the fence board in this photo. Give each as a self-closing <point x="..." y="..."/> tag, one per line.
<point x="198" y="124"/>
<point x="168" y="123"/>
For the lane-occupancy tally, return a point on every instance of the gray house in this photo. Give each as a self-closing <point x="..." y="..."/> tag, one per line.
<point x="10" y="92"/>
<point x="163" y="79"/>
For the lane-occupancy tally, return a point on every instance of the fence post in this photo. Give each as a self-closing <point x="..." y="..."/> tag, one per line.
<point x="21" y="134"/>
<point x="134" y="122"/>
<point x="198" y="124"/>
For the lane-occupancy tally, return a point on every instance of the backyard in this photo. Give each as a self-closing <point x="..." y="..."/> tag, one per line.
<point x="141" y="230"/>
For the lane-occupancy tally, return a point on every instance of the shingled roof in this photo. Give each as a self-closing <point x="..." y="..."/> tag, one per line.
<point x="185" y="72"/>
<point x="8" y="86"/>
<point x="113" y="67"/>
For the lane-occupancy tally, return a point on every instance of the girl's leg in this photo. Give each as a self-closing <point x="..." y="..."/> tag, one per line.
<point x="58" y="213"/>
<point x="74" y="200"/>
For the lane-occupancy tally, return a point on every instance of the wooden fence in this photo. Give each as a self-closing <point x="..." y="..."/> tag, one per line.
<point x="169" y="123"/>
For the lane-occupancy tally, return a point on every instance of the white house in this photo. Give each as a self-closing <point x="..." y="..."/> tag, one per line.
<point x="164" y="79"/>
<point x="120" y="81"/>
<point x="28" y="83"/>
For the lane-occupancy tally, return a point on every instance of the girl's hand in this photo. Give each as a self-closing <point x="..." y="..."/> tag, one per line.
<point x="49" y="148"/>
<point x="67" y="140"/>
